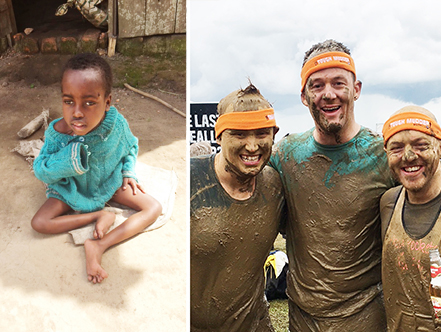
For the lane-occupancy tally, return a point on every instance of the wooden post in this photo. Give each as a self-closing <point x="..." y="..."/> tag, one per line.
<point x="113" y="27"/>
<point x="112" y="46"/>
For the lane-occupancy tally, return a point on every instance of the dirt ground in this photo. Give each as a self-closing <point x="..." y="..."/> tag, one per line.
<point x="43" y="278"/>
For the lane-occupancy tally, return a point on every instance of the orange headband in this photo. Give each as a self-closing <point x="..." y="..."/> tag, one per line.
<point x="324" y="61"/>
<point x="410" y="121"/>
<point x="245" y="120"/>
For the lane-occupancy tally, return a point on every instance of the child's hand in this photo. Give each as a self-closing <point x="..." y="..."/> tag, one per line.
<point x="133" y="184"/>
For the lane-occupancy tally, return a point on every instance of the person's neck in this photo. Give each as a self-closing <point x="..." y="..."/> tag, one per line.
<point x="428" y="193"/>
<point x="240" y="188"/>
<point x="343" y="136"/>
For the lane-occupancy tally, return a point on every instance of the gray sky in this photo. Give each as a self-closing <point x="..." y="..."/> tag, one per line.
<point x="396" y="46"/>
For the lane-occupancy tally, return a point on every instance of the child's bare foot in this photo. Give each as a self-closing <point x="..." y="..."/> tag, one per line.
<point x="103" y="224"/>
<point x="95" y="272"/>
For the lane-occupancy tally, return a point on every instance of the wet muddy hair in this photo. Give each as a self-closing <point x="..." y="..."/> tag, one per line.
<point x="85" y="61"/>
<point x="242" y="100"/>
<point x="329" y="45"/>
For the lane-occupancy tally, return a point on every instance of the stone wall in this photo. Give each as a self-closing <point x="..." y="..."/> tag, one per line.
<point x="94" y="40"/>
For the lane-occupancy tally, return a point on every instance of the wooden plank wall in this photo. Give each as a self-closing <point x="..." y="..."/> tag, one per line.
<point x="131" y="18"/>
<point x="181" y="17"/>
<point x="135" y="17"/>
<point x="6" y="26"/>
<point x="150" y="17"/>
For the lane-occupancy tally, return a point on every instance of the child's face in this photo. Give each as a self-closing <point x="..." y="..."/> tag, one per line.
<point x="84" y="101"/>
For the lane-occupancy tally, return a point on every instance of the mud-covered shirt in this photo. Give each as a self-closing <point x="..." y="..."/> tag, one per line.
<point x="333" y="228"/>
<point x="417" y="218"/>
<point x="230" y="240"/>
<point x="406" y="273"/>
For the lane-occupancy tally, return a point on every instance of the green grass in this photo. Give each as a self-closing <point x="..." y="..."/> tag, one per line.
<point x="279" y="315"/>
<point x="167" y="73"/>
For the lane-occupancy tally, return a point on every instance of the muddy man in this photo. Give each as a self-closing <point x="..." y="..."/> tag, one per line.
<point x="410" y="216"/>
<point x="235" y="206"/>
<point x="333" y="175"/>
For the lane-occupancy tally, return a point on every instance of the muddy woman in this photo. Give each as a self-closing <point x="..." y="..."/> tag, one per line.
<point x="410" y="217"/>
<point x="235" y="207"/>
<point x="333" y="175"/>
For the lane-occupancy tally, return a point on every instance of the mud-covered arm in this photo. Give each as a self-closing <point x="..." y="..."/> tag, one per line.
<point x="69" y="161"/>
<point x="274" y="161"/>
<point x="283" y="219"/>
<point x="387" y="206"/>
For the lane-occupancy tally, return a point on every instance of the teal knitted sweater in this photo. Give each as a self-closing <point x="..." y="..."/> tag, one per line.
<point x="85" y="171"/>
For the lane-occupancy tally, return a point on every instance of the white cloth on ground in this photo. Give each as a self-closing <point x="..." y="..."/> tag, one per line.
<point x="157" y="182"/>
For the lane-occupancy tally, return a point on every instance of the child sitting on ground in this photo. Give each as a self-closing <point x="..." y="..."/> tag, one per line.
<point x="88" y="158"/>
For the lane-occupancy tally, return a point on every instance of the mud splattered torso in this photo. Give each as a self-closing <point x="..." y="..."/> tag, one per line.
<point x="406" y="274"/>
<point x="333" y="231"/>
<point x="230" y="241"/>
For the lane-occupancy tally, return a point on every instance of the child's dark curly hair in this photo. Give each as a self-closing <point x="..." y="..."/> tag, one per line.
<point x="84" y="61"/>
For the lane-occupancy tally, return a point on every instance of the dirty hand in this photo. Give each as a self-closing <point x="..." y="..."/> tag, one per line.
<point x="133" y="184"/>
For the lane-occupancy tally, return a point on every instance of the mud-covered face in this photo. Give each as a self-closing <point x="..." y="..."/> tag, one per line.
<point x="330" y="95"/>
<point x="246" y="152"/>
<point x="84" y="100"/>
<point x="413" y="158"/>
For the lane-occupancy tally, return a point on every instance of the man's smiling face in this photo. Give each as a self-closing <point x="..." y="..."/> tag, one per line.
<point x="246" y="151"/>
<point x="413" y="158"/>
<point x="330" y="95"/>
